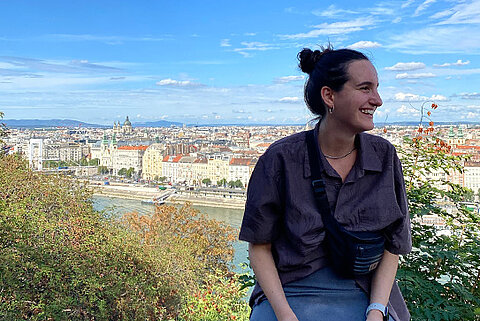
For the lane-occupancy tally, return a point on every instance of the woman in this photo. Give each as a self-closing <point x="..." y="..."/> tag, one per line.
<point x="365" y="191"/>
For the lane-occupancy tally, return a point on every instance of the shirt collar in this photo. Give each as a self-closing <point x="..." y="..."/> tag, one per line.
<point x="368" y="158"/>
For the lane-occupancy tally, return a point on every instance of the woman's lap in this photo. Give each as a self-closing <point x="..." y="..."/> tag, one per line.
<point x="322" y="296"/>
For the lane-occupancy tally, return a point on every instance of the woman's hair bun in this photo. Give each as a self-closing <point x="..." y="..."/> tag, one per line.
<point x="308" y="58"/>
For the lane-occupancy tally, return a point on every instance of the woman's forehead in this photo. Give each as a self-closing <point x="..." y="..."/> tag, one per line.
<point x="360" y="71"/>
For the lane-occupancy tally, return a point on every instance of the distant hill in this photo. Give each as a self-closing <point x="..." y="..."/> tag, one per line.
<point x="48" y="123"/>
<point x="158" y="123"/>
<point x="52" y="123"/>
<point x="425" y="123"/>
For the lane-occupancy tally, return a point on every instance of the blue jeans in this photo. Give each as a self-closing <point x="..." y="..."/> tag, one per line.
<point x="321" y="296"/>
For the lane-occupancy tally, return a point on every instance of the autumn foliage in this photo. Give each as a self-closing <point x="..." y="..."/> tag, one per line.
<point x="62" y="260"/>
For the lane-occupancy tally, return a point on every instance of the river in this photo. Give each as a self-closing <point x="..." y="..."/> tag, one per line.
<point x="233" y="217"/>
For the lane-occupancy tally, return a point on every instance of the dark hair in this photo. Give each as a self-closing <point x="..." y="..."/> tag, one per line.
<point x="325" y="67"/>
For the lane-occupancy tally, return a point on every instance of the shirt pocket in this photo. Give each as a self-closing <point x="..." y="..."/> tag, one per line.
<point x="378" y="216"/>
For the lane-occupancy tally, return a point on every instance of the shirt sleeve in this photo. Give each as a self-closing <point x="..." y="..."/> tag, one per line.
<point x="261" y="219"/>
<point x="400" y="241"/>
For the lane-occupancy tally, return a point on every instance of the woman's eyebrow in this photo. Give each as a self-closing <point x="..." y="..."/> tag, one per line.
<point x="368" y="83"/>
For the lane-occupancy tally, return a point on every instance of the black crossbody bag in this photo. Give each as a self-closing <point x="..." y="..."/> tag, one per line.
<point x="351" y="253"/>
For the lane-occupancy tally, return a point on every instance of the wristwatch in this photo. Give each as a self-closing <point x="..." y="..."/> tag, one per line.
<point x="380" y="307"/>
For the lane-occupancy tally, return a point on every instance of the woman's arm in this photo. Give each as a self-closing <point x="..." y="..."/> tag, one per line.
<point x="266" y="273"/>
<point x="382" y="282"/>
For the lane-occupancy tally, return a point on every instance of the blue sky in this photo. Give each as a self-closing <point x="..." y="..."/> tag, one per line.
<point x="212" y="62"/>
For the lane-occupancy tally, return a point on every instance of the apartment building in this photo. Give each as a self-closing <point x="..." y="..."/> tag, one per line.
<point x="152" y="161"/>
<point x="241" y="169"/>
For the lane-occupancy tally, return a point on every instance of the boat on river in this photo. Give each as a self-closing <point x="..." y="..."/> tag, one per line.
<point x="154" y="201"/>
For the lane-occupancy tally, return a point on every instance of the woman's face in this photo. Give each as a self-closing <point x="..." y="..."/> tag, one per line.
<point x="356" y="103"/>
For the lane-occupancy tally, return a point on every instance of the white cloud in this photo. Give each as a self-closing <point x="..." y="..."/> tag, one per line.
<point x="474" y="95"/>
<point x="463" y="13"/>
<point x="404" y="66"/>
<point x="471" y="115"/>
<point x="407" y="110"/>
<point x="111" y="40"/>
<point x="335" y="28"/>
<point x="332" y="12"/>
<point x="250" y="34"/>
<point x="240" y="111"/>
<point x="289" y="99"/>
<point x="423" y="7"/>
<point x="397" y="20"/>
<point x="286" y="79"/>
<point x="406" y="75"/>
<point x="253" y="46"/>
<point x="413" y="97"/>
<point x="407" y="3"/>
<point x="438" y="98"/>
<point x="437" y="40"/>
<point x="458" y="63"/>
<point x="176" y="83"/>
<point x="442" y="14"/>
<point x="225" y="43"/>
<point x="364" y="45"/>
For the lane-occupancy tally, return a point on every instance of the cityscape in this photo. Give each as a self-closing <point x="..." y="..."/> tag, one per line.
<point x="203" y="162"/>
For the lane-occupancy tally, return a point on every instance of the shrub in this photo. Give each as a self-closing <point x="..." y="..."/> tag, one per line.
<point x="440" y="277"/>
<point x="62" y="260"/>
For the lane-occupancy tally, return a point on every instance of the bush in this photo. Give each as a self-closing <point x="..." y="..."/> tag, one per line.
<point x="62" y="260"/>
<point x="440" y="277"/>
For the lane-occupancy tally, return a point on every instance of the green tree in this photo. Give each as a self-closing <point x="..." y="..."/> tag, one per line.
<point x="238" y="183"/>
<point x="222" y="182"/>
<point x="207" y="181"/>
<point x="3" y="129"/>
<point x="129" y="173"/>
<point x="122" y="172"/>
<point x="94" y="162"/>
<point x="103" y="170"/>
<point x="440" y="277"/>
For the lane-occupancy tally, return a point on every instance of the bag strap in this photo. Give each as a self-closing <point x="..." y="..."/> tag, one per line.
<point x="318" y="183"/>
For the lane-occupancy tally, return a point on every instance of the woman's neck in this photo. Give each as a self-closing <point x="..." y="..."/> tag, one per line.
<point x="333" y="140"/>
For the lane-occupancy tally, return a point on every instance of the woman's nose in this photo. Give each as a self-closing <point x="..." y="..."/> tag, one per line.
<point x="376" y="99"/>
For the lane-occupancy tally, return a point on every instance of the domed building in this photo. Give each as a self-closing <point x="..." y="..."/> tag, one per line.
<point x="127" y="127"/>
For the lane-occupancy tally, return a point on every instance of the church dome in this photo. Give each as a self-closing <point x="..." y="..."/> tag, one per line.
<point x="127" y="122"/>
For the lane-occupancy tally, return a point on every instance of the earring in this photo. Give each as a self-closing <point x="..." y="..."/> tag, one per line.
<point x="330" y="110"/>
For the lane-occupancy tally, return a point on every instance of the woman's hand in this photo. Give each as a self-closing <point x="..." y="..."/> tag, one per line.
<point x="290" y="317"/>
<point x="375" y="315"/>
<point x="263" y="265"/>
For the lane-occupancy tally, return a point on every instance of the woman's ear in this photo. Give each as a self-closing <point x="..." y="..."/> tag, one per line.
<point x="327" y="96"/>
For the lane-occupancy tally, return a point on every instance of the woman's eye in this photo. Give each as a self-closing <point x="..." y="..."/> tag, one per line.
<point x="365" y="88"/>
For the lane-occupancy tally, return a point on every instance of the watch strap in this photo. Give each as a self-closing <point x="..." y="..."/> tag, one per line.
<point x="380" y="307"/>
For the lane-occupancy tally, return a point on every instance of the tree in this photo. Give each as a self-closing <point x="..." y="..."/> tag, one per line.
<point x="94" y="162"/>
<point x="122" y="172"/>
<point x="440" y="278"/>
<point x="3" y="133"/>
<point x="222" y="182"/>
<point x="103" y="170"/>
<point x="207" y="181"/>
<point x="238" y="183"/>
<point x="129" y="173"/>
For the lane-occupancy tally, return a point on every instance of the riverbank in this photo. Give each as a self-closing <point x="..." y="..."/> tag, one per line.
<point x="134" y="192"/>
